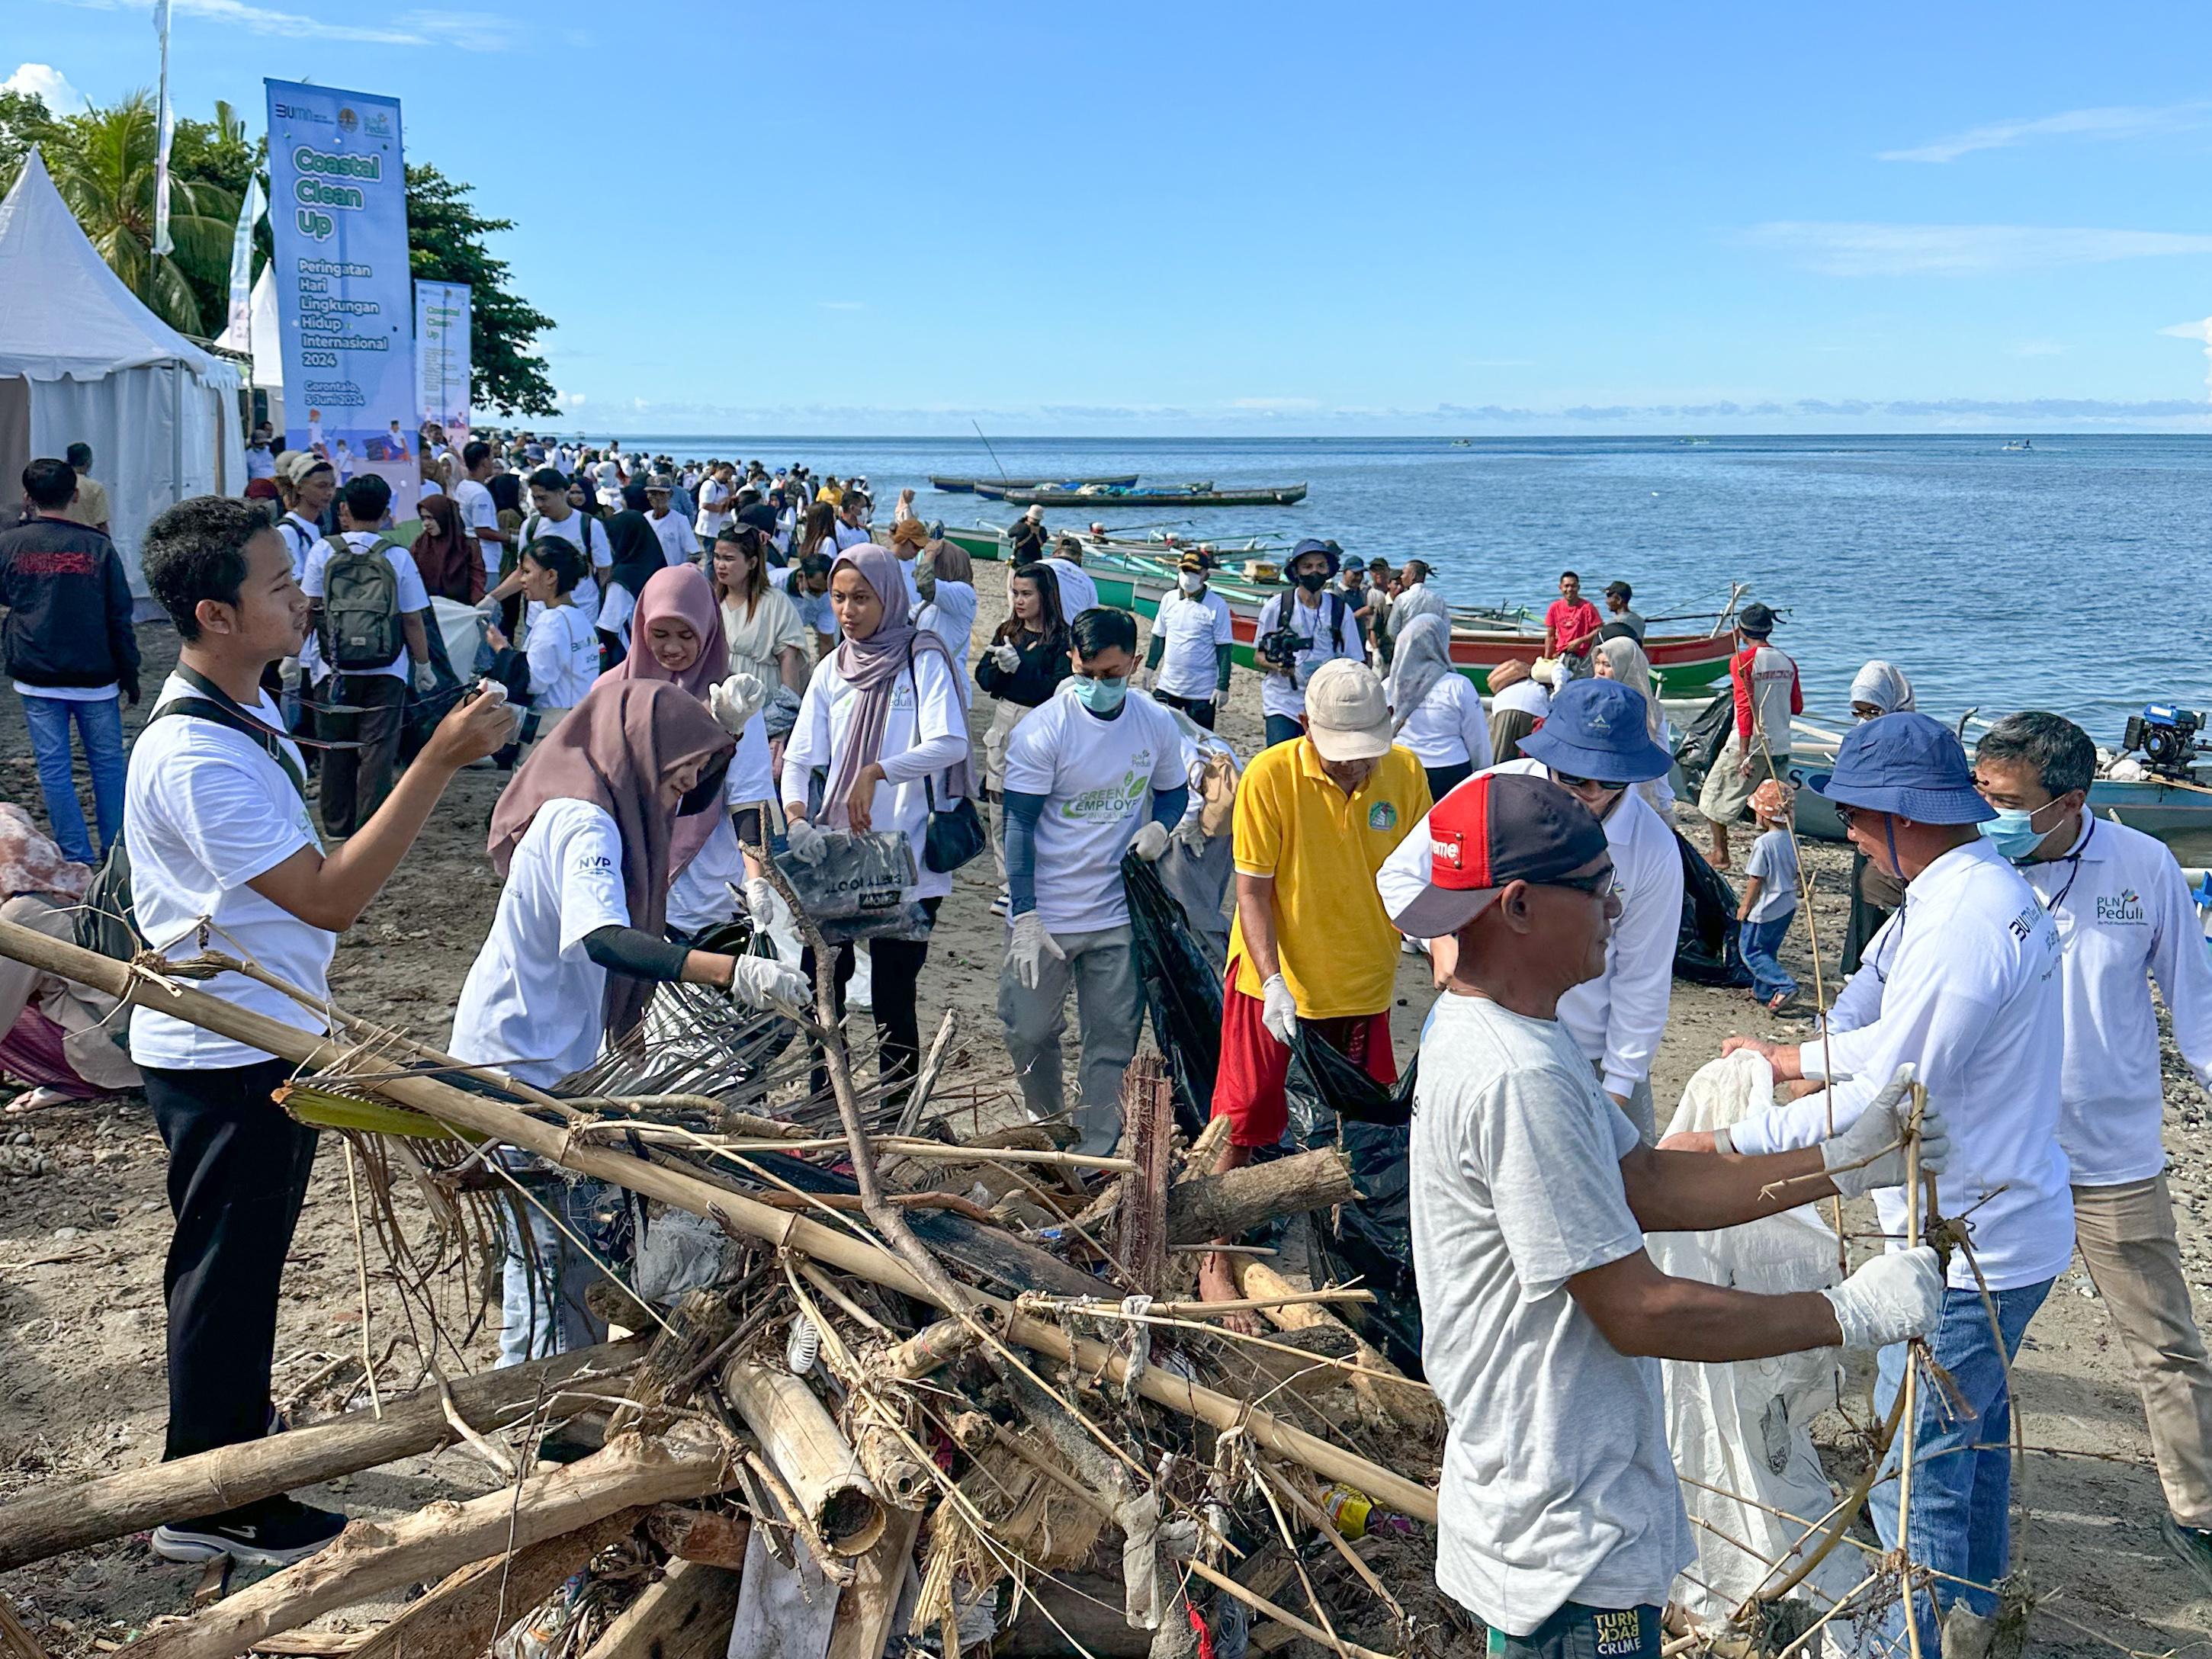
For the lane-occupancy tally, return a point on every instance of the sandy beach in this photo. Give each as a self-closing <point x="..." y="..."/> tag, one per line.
<point x="83" y="1225"/>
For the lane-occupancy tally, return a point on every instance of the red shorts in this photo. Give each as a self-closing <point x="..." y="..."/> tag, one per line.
<point x="1248" y="1089"/>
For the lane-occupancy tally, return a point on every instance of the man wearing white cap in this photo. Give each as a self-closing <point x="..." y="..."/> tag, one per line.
<point x="1560" y="1522"/>
<point x="1310" y="945"/>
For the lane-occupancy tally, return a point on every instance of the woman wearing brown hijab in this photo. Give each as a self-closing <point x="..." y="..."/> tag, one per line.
<point x="448" y="557"/>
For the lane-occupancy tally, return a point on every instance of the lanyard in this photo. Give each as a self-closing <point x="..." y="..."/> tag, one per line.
<point x="2051" y="905"/>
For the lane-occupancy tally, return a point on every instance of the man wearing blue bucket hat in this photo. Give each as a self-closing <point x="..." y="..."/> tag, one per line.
<point x="1596" y="745"/>
<point x="1963" y="983"/>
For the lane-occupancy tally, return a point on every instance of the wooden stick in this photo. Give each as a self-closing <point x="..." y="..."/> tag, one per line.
<point x="1411" y="1407"/>
<point x="1223" y="1205"/>
<point x="685" y="1191"/>
<point x="917" y="1097"/>
<point x="69" y="1517"/>
<point x="372" y="1557"/>
<point x="1910" y="1396"/>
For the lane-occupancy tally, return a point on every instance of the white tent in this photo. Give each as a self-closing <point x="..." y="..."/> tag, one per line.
<point x="82" y="359"/>
<point x="259" y="339"/>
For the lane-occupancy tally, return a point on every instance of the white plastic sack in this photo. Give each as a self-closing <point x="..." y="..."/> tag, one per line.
<point x="1745" y="1426"/>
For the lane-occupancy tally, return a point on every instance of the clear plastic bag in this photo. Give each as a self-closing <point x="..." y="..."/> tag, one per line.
<point x="854" y="888"/>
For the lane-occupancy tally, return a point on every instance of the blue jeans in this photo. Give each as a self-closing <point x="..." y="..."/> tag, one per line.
<point x="1283" y="728"/>
<point x="541" y="1301"/>
<point x="1962" y="1462"/>
<point x="100" y="723"/>
<point x="1761" y="941"/>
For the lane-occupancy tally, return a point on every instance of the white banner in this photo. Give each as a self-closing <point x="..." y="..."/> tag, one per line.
<point x="441" y="354"/>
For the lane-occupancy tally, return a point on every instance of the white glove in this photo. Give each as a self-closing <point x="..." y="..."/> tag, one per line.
<point x="1005" y="656"/>
<point x="764" y="904"/>
<point x="805" y="842"/>
<point x="1280" y="1012"/>
<point x="736" y="701"/>
<point x="489" y="606"/>
<point x="426" y="679"/>
<point x="757" y="979"/>
<point x="1027" y="946"/>
<point x="1188" y="834"/>
<point x="1892" y="1298"/>
<point x="1151" y="841"/>
<point x="1879" y="1125"/>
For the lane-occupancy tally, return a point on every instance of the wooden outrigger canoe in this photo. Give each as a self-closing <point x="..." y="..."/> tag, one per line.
<point x="970" y="486"/>
<point x="1193" y="495"/>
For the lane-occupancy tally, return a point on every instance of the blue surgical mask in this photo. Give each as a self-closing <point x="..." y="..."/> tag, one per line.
<point x="2013" y="831"/>
<point x="1100" y="696"/>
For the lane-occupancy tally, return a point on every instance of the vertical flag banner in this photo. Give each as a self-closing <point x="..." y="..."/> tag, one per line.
<point x="337" y="208"/>
<point x="441" y="354"/>
<point x="237" y="334"/>
<point x="167" y="120"/>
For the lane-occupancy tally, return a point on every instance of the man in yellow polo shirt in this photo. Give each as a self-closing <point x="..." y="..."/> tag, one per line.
<point x="1311" y="943"/>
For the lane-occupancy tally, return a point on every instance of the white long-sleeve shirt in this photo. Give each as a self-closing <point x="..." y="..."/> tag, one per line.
<point x="1966" y="984"/>
<point x="2125" y="919"/>
<point x="925" y="732"/>
<point x="1617" y="1018"/>
<point x="1448" y="729"/>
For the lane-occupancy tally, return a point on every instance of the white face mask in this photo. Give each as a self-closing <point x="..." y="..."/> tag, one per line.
<point x="1190" y="581"/>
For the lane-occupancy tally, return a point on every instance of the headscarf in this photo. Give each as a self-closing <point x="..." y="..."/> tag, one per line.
<point x="872" y="668"/>
<point x="1423" y="658"/>
<point x="1509" y="672"/>
<point x="1884" y="685"/>
<point x="950" y="563"/>
<point x="29" y="863"/>
<point x="636" y="549"/>
<point x="447" y="559"/>
<point x="1625" y="661"/>
<point x="614" y="750"/>
<point x="679" y="591"/>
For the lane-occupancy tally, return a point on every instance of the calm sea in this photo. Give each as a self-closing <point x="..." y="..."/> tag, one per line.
<point x="2072" y="577"/>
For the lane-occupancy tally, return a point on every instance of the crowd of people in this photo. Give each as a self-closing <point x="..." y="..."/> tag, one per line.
<point x="695" y="669"/>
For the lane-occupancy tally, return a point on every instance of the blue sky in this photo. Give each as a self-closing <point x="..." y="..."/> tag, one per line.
<point x="1217" y="217"/>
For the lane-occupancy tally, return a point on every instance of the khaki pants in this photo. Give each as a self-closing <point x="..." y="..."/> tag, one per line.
<point x="2126" y="1237"/>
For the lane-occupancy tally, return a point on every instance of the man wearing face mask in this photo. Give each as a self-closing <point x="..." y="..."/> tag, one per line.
<point x="1300" y="631"/>
<point x="2124" y="918"/>
<point x="1594" y="744"/>
<point x="1191" y="639"/>
<point x="1090" y="773"/>
<point x="1964" y="984"/>
<point x="1310" y="945"/>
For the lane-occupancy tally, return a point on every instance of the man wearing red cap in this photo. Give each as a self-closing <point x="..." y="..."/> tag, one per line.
<point x="1559" y="1524"/>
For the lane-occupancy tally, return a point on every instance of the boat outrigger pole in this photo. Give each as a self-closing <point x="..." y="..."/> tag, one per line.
<point x="995" y="461"/>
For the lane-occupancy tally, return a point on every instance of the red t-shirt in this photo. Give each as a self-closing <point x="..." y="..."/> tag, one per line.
<point x="1570" y="623"/>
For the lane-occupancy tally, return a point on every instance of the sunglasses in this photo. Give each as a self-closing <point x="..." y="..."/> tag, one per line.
<point x="1597" y="884"/>
<point x="1579" y="786"/>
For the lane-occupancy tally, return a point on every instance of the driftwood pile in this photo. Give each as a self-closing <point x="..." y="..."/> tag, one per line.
<point x="935" y="1391"/>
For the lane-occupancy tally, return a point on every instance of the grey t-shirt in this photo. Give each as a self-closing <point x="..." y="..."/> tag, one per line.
<point x="1558" y="1484"/>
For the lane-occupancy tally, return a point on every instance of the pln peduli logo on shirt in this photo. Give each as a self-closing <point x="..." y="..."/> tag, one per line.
<point x="2123" y="909"/>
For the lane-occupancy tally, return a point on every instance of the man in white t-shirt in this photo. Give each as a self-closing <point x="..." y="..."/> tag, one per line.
<point x="555" y="514"/>
<point x="479" y="515"/>
<point x="220" y="833"/>
<point x="370" y="686"/>
<point x="1194" y="635"/>
<point x="1091" y="775"/>
<point x="678" y="541"/>
<point x="715" y="490"/>
<point x="1310" y="626"/>
<point x="1963" y="982"/>
<point x="1560" y="1522"/>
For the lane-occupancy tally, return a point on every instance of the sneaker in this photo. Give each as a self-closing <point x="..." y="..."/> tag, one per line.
<point x="273" y="1533"/>
<point x="2192" y="1546"/>
<point x="999" y="904"/>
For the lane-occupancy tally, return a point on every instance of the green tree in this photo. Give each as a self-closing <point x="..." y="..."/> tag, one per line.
<point x="447" y="244"/>
<point x="24" y="121"/>
<point x="103" y="163"/>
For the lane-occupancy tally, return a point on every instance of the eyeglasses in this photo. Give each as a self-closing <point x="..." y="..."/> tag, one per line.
<point x="1597" y="884"/>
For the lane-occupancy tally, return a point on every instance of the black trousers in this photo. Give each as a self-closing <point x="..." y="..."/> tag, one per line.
<point x="357" y="780"/>
<point x="237" y="1174"/>
<point x="893" y="977"/>
<point x="1201" y="714"/>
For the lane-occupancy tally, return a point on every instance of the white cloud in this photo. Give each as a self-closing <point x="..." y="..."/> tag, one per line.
<point x="1873" y="249"/>
<point x="1274" y="406"/>
<point x="48" y="83"/>
<point x="573" y="399"/>
<point x="471" y="30"/>
<point x="2199" y="332"/>
<point x="2123" y="121"/>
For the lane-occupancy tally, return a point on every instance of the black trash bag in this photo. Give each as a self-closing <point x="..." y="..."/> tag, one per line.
<point x="1331" y="1097"/>
<point x="1706" y="949"/>
<point x="1182" y="991"/>
<point x="1696" y="748"/>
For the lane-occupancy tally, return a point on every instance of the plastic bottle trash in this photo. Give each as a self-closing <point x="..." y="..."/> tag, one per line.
<point x="1348" y="1510"/>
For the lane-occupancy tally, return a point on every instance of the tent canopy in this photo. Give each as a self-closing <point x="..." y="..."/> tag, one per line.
<point x="63" y="314"/>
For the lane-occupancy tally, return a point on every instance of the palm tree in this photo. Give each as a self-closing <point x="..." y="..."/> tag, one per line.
<point x="103" y="163"/>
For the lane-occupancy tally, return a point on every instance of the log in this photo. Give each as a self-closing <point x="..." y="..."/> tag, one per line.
<point x="1225" y="1205"/>
<point x="373" y="1557"/>
<point x="1411" y="1407"/>
<point x="1148" y="1134"/>
<point x="715" y="1537"/>
<point x="470" y="1607"/>
<point x="205" y="1483"/>
<point x="864" y="1606"/>
<point x="685" y="1191"/>
<point x="803" y="1445"/>
<point x="686" y="1614"/>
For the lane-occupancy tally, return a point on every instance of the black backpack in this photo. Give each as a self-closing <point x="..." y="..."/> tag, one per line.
<point x="105" y="921"/>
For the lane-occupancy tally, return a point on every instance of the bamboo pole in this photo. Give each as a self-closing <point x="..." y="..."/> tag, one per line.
<point x="833" y="1490"/>
<point x="684" y="1190"/>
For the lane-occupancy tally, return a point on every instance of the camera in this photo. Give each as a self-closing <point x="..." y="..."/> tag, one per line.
<point x="1279" y="648"/>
